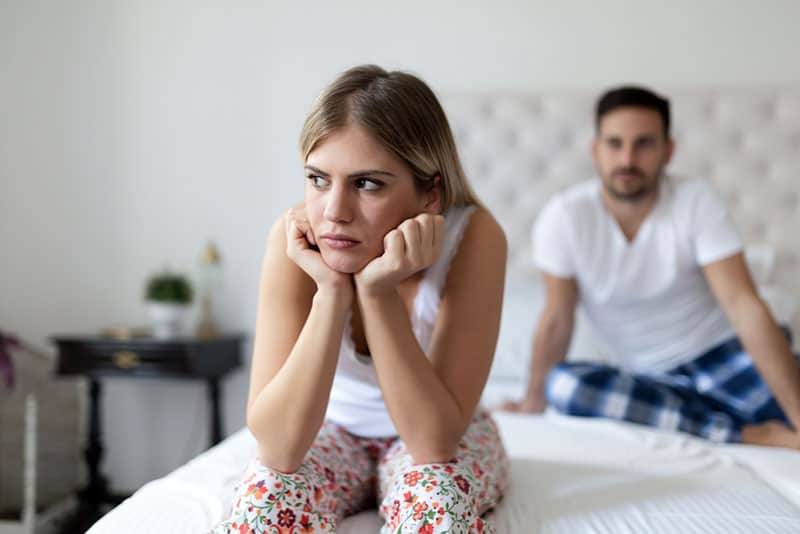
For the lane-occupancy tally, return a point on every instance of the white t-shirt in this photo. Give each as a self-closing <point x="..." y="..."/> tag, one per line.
<point x="356" y="401"/>
<point x="647" y="299"/>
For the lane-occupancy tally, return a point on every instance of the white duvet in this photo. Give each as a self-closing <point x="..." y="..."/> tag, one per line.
<point x="569" y="475"/>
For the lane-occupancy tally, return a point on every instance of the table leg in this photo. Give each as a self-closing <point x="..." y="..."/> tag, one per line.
<point x="216" y="415"/>
<point x="92" y="497"/>
<point x="98" y="486"/>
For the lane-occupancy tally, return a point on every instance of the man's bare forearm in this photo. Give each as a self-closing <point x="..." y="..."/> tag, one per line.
<point x="768" y="347"/>
<point x="550" y="345"/>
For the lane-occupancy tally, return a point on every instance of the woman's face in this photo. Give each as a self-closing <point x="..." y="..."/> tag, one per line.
<point x="356" y="192"/>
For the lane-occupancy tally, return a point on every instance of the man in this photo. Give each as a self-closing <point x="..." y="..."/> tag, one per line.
<point x="659" y="269"/>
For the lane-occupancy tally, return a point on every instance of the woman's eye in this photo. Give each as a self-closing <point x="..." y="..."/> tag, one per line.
<point x="367" y="184"/>
<point x="317" y="181"/>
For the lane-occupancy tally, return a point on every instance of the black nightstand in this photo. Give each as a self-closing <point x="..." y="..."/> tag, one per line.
<point x="99" y="357"/>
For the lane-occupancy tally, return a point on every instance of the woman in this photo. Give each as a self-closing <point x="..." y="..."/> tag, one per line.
<point x="379" y="311"/>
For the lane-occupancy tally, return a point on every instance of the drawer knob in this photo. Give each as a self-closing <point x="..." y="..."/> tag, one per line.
<point x="125" y="359"/>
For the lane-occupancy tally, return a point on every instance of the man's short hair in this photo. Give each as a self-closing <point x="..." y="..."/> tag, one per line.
<point x="632" y="96"/>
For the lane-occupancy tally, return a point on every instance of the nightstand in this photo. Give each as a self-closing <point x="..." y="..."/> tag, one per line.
<point x="142" y="358"/>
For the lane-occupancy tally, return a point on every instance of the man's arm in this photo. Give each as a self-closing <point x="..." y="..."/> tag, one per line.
<point x="551" y="341"/>
<point x="732" y="286"/>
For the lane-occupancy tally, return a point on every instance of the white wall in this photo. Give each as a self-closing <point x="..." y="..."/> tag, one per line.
<point x="132" y="132"/>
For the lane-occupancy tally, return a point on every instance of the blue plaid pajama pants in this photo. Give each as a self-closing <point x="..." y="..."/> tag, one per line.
<point x="712" y="396"/>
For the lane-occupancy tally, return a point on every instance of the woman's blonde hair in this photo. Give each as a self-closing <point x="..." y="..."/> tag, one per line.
<point x="403" y="114"/>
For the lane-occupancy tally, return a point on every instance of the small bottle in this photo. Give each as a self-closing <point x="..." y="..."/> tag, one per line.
<point x="210" y="278"/>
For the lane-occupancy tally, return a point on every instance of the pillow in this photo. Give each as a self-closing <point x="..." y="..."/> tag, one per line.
<point x="760" y="260"/>
<point x="780" y="300"/>
<point x="524" y="298"/>
<point x="523" y="301"/>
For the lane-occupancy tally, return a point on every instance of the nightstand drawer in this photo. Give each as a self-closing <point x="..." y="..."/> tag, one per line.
<point x="148" y="357"/>
<point x="117" y="358"/>
<point x="136" y="360"/>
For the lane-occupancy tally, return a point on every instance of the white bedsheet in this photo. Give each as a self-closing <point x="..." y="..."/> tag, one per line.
<point x="569" y="475"/>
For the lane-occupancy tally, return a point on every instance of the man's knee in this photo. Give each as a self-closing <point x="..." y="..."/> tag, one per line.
<point x="577" y="388"/>
<point x="560" y="387"/>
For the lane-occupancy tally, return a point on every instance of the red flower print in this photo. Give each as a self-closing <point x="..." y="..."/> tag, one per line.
<point x="419" y="509"/>
<point x="244" y="529"/>
<point x="372" y="450"/>
<point x="412" y="478"/>
<point x="476" y="470"/>
<point x="462" y="483"/>
<point x="286" y="518"/>
<point x="427" y="528"/>
<point x="330" y="475"/>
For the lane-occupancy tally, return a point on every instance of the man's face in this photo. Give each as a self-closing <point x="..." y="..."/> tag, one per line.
<point x="630" y="152"/>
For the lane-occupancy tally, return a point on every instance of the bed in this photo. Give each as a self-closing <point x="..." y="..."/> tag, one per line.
<point x="572" y="474"/>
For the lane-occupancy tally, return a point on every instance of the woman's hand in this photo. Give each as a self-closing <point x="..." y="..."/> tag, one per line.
<point x="301" y="248"/>
<point x="411" y="247"/>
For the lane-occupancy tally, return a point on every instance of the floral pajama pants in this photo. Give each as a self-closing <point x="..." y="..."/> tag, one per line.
<point x="343" y="474"/>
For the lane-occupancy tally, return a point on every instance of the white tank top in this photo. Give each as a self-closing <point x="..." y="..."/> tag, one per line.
<point x="356" y="401"/>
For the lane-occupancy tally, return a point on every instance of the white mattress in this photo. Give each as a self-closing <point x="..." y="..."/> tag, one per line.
<point x="569" y="475"/>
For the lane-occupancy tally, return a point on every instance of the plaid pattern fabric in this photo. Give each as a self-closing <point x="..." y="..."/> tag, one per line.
<point x="712" y="396"/>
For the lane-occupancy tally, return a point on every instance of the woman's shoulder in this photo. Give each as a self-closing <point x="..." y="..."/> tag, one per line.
<point x="478" y="266"/>
<point x="483" y="239"/>
<point x="482" y="226"/>
<point x="277" y="232"/>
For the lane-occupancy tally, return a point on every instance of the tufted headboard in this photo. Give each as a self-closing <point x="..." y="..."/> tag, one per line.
<point x="520" y="149"/>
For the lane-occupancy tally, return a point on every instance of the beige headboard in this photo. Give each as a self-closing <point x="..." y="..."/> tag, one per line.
<point x="519" y="149"/>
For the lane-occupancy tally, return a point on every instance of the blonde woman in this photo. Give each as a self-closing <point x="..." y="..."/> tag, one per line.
<point x="379" y="311"/>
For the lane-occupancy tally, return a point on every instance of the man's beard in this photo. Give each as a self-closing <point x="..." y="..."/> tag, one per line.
<point x="647" y="184"/>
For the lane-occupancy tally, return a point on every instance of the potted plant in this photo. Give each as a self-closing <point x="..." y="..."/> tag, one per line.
<point x="168" y="297"/>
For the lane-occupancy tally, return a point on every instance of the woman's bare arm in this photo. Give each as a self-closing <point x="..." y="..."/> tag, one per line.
<point x="432" y="399"/>
<point x="298" y="334"/>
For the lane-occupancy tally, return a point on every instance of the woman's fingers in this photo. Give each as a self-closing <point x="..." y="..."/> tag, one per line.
<point x="438" y="232"/>
<point x="412" y="234"/>
<point x="394" y="244"/>
<point x="297" y="219"/>
<point x="426" y="230"/>
<point x="431" y="234"/>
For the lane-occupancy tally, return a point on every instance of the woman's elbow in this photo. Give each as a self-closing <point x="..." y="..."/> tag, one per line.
<point x="283" y="463"/>
<point x="433" y="457"/>
<point x="274" y="455"/>
<point x="439" y="450"/>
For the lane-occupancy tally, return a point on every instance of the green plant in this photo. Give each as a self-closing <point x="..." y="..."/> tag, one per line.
<point x="169" y="287"/>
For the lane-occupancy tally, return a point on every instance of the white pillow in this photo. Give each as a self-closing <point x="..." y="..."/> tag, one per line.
<point x="761" y="262"/>
<point x="522" y="304"/>
<point x="760" y="259"/>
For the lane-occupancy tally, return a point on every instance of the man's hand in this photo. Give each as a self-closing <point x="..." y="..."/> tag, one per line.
<point x="534" y="405"/>
<point x="301" y="247"/>
<point x="771" y="434"/>
<point x="411" y="247"/>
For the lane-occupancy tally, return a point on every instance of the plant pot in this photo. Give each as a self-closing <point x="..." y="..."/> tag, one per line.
<point x="166" y="318"/>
